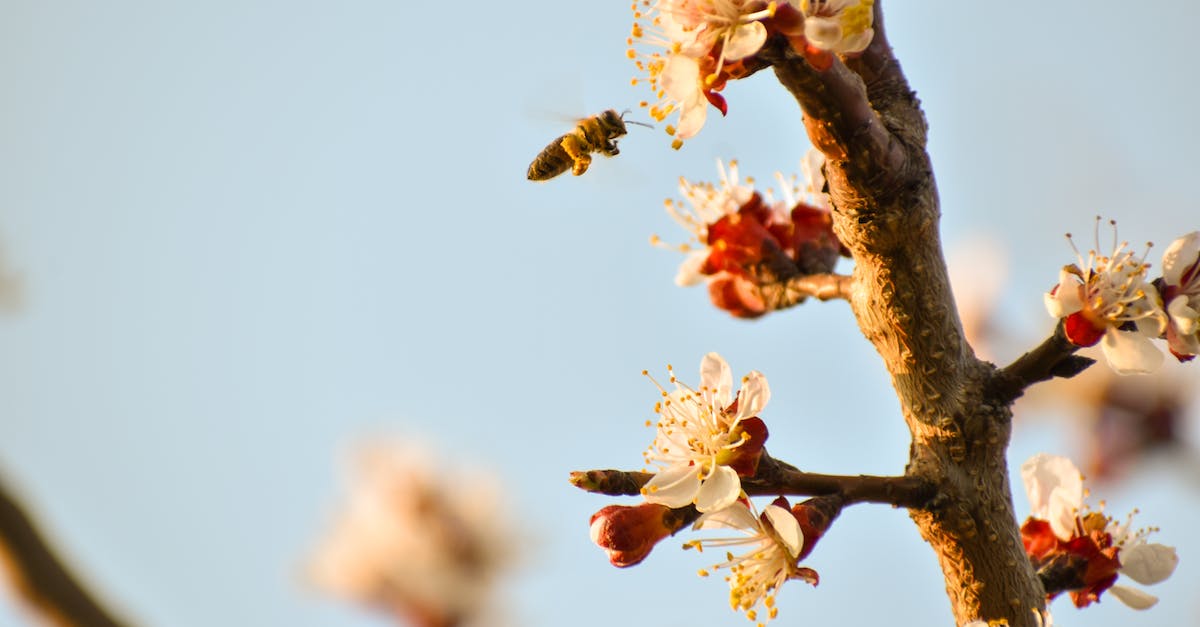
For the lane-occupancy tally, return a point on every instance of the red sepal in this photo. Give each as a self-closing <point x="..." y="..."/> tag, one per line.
<point x="1081" y="331"/>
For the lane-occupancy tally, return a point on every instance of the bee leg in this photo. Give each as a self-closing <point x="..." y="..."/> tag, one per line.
<point x="578" y="154"/>
<point x="610" y="148"/>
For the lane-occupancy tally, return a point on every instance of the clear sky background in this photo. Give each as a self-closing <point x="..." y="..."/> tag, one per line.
<point x="250" y="232"/>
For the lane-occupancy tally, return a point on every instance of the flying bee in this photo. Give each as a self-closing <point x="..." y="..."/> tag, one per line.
<point x="598" y="133"/>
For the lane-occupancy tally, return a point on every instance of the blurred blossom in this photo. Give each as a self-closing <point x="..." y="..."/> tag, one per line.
<point x="1124" y="420"/>
<point x="12" y="287"/>
<point x="416" y="541"/>
<point x="1084" y="552"/>
<point x="746" y="245"/>
<point x="1180" y="287"/>
<point x="978" y="271"/>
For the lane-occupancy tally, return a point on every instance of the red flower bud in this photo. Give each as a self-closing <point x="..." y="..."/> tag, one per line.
<point x="815" y="516"/>
<point x="628" y="533"/>
<point x="737" y="295"/>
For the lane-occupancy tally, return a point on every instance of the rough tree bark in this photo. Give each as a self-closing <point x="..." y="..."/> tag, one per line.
<point x="867" y="121"/>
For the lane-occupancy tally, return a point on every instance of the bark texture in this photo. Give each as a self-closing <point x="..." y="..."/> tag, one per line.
<point x="863" y="116"/>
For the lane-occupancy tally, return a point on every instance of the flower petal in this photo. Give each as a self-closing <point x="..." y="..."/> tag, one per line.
<point x="1062" y="513"/>
<point x="1130" y="352"/>
<point x="716" y="376"/>
<point x="1133" y="597"/>
<point x="1148" y="564"/>
<point x="822" y="32"/>
<point x="753" y="396"/>
<point x="720" y="490"/>
<point x="674" y="487"/>
<point x="745" y="40"/>
<point x="735" y="516"/>
<point x="786" y="527"/>
<point x="689" y="271"/>
<point x="1181" y="254"/>
<point x="1043" y="474"/>
<point x="1067" y="297"/>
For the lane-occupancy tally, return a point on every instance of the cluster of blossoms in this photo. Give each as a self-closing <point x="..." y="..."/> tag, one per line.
<point x="1084" y="552"/>
<point x="696" y="46"/>
<point x="706" y="441"/>
<point x="1108" y="300"/>
<point x="414" y="543"/>
<point x="746" y="246"/>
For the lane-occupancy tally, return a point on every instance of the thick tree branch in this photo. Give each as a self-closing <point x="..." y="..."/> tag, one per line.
<point x="863" y="116"/>
<point x="40" y="577"/>
<point x="1055" y="357"/>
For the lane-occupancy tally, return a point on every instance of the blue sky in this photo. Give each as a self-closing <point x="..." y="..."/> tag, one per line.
<point x="252" y="232"/>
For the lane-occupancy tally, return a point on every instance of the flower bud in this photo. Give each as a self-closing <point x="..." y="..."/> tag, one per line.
<point x="629" y="533"/>
<point x="815" y="517"/>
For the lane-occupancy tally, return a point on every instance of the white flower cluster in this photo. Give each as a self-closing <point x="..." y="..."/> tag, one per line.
<point x="1108" y="299"/>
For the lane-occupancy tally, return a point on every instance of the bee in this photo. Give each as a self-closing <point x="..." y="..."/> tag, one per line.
<point x="598" y="133"/>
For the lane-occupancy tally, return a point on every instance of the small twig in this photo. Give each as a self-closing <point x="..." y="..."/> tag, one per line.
<point x="1054" y="357"/>
<point x="776" y="478"/>
<point x="824" y="287"/>
<point x="40" y="577"/>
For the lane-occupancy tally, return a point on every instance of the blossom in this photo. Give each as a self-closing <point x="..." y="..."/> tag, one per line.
<point x="777" y="544"/>
<point x="839" y="26"/>
<point x="696" y="46"/>
<point x="1085" y="552"/>
<point x="1180" y="287"/>
<point x="746" y="244"/>
<point x="707" y="438"/>
<point x="415" y="540"/>
<point x="1107" y="298"/>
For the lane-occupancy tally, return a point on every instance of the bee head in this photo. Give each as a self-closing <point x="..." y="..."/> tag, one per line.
<point x="624" y="121"/>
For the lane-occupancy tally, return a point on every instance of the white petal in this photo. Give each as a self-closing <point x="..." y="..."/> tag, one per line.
<point x="1067" y="297"/>
<point x="786" y="528"/>
<point x="1129" y="352"/>
<point x="736" y="516"/>
<point x="753" y="396"/>
<point x="681" y="82"/>
<point x="1133" y="597"/>
<point x="680" y="77"/>
<point x="1043" y="474"/>
<point x="1182" y="253"/>
<point x="822" y="32"/>
<point x="693" y="113"/>
<point x="689" y="271"/>
<point x="674" y="487"/>
<point x="745" y="40"/>
<point x="1184" y="317"/>
<point x="1062" y="513"/>
<point x="1148" y="564"/>
<point x="716" y="375"/>
<point x="856" y="43"/>
<point x="720" y="490"/>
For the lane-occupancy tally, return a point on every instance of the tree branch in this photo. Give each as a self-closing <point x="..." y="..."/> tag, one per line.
<point x="824" y="287"/>
<point x="1054" y="357"/>
<point x="40" y="577"/>
<point x="776" y="478"/>
<point x="863" y="116"/>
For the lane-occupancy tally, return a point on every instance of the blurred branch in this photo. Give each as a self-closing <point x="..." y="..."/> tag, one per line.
<point x="40" y="577"/>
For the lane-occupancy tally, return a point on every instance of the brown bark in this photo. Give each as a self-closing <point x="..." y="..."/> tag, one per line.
<point x="866" y="120"/>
